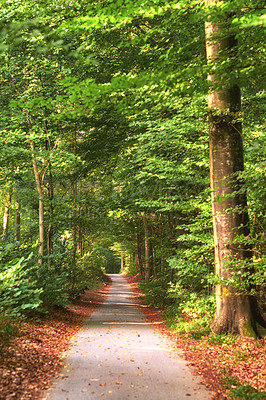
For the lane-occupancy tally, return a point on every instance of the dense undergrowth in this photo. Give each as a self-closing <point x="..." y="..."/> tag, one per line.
<point x="184" y="310"/>
<point x="28" y="288"/>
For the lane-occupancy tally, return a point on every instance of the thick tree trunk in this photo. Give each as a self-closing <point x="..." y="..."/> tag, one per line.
<point x="236" y="313"/>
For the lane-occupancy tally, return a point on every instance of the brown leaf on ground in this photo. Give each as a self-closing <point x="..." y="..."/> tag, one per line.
<point x="245" y="359"/>
<point x="34" y="357"/>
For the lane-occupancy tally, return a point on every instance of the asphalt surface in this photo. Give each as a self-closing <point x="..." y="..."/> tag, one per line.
<point x="119" y="356"/>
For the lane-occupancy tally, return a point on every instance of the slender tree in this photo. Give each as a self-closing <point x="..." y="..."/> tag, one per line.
<point x="39" y="186"/>
<point x="7" y="213"/>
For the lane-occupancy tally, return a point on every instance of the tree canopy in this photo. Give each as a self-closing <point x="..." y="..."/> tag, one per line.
<point x="105" y="154"/>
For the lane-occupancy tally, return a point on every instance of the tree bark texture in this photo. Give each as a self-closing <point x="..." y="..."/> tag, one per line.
<point x="50" y="187"/>
<point x="74" y="234"/>
<point x="147" y="249"/>
<point x="80" y="242"/>
<point x="140" y="255"/>
<point x="6" y="214"/>
<point x="17" y="220"/>
<point x="41" y="204"/>
<point x="235" y="313"/>
<point x="122" y="262"/>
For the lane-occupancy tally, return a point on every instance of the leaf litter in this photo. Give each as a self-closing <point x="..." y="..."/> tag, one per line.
<point x="35" y="356"/>
<point x="244" y="360"/>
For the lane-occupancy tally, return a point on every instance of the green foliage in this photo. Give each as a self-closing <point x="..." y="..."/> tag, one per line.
<point x="220" y="339"/>
<point x="88" y="271"/>
<point x="190" y="276"/>
<point x="19" y="293"/>
<point x="184" y="311"/>
<point x="18" y="287"/>
<point x="246" y="392"/>
<point x="197" y="307"/>
<point x="249" y="276"/>
<point x="113" y="97"/>
<point x="241" y="392"/>
<point x="184" y="326"/>
<point x="192" y="315"/>
<point x="156" y="292"/>
<point x="113" y="262"/>
<point x="53" y="283"/>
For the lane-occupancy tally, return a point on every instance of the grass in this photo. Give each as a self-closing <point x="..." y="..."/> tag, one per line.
<point x="241" y="392"/>
<point x="220" y="339"/>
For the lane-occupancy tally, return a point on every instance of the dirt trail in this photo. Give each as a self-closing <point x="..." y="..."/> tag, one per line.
<point x="118" y="356"/>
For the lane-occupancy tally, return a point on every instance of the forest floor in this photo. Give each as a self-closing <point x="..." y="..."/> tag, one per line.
<point x="222" y="366"/>
<point x="35" y="355"/>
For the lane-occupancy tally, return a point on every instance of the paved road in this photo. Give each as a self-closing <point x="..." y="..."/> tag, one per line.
<point x="118" y="356"/>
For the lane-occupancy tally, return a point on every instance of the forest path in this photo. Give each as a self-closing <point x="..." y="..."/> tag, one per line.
<point x="118" y="356"/>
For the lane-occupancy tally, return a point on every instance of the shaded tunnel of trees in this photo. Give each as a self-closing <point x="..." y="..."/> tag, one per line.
<point x="132" y="139"/>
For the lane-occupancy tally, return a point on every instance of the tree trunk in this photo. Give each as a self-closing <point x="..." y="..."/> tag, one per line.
<point x="74" y="234"/>
<point x="235" y="313"/>
<point x="80" y="241"/>
<point x="17" y="220"/>
<point x="6" y="214"/>
<point x="122" y="263"/>
<point x="140" y="256"/>
<point x="147" y="249"/>
<point x="50" y="187"/>
<point x="41" y="204"/>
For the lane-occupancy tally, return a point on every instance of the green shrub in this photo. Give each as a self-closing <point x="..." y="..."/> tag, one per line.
<point x="156" y="292"/>
<point x="190" y="274"/>
<point x="18" y="286"/>
<point x="19" y="294"/>
<point x="53" y="283"/>
<point x="221" y="338"/>
<point x="247" y="392"/>
<point x="191" y="316"/>
<point x="202" y="307"/>
<point x="241" y="392"/>
<point x="178" y="293"/>
<point x="192" y="305"/>
<point x="88" y="272"/>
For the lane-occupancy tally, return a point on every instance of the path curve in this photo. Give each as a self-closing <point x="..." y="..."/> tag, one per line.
<point x="119" y="356"/>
